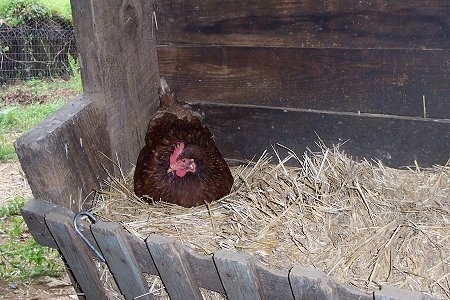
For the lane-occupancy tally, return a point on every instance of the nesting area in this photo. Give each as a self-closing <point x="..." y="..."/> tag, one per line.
<point x="360" y="222"/>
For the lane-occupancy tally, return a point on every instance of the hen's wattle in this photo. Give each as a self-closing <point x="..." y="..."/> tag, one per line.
<point x="180" y="163"/>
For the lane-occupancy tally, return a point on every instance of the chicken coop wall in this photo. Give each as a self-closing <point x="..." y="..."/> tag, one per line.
<point x="371" y="75"/>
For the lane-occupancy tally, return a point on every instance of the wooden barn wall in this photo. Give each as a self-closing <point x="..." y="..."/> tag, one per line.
<point x="388" y="61"/>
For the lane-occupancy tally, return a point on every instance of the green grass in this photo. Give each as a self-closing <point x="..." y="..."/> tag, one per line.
<point x="16" y="119"/>
<point x="34" y="8"/>
<point x="21" y="257"/>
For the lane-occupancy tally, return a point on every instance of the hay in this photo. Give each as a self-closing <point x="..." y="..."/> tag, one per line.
<point x="362" y="223"/>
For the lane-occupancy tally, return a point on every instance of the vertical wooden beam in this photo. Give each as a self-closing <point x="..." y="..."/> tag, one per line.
<point x="173" y="268"/>
<point x="121" y="260"/>
<point x="125" y="42"/>
<point x="83" y="20"/>
<point x="77" y="255"/>
<point x="238" y="275"/>
<point x="311" y="284"/>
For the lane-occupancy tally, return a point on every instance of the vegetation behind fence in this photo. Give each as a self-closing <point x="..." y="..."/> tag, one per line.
<point x="42" y="48"/>
<point x="36" y="41"/>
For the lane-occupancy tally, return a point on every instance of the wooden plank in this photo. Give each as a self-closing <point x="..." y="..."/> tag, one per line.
<point x="275" y="283"/>
<point x="312" y="284"/>
<point x="60" y="156"/>
<point x="33" y="213"/>
<point x="125" y="42"/>
<point x="72" y="279"/>
<point x="141" y="253"/>
<point x="77" y="255"/>
<point x="238" y="275"/>
<point x="173" y="268"/>
<point x="119" y="256"/>
<point x="392" y="81"/>
<point x="324" y="24"/>
<point x="350" y="293"/>
<point x="204" y="270"/>
<point x="394" y="293"/>
<point x="395" y="141"/>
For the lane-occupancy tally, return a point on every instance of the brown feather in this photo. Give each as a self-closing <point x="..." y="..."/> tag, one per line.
<point x="174" y="123"/>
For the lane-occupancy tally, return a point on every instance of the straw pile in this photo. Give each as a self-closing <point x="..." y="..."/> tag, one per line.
<point x="360" y="222"/>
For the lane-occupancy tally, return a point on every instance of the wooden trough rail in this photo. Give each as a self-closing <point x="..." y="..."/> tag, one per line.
<point x="182" y="270"/>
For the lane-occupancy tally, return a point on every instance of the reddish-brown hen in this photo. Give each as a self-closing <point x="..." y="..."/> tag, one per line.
<point x="180" y="163"/>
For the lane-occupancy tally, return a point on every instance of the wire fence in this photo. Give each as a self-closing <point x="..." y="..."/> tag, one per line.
<point x="39" y="50"/>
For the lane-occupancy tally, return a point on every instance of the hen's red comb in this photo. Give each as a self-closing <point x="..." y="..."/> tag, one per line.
<point x="173" y="158"/>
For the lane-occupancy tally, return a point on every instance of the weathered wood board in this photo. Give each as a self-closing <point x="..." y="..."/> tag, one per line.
<point x="119" y="54"/>
<point x="387" y="81"/>
<point x="77" y="255"/>
<point x="325" y="63"/>
<point x="238" y="274"/>
<point x="61" y="157"/>
<point x="121" y="261"/>
<point x="243" y="132"/>
<point x="305" y="23"/>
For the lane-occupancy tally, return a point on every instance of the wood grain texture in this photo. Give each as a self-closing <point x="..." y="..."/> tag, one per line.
<point x="312" y="284"/>
<point x="305" y="23"/>
<point x="239" y="269"/>
<point x="76" y="254"/>
<point x="119" y="257"/>
<point x="275" y="283"/>
<point x="33" y="213"/>
<point x="238" y="275"/>
<point x="84" y="27"/>
<point x="243" y="132"/>
<point x="173" y="268"/>
<point x="129" y="72"/>
<point x="204" y="270"/>
<point x="61" y="156"/>
<point x="390" y="82"/>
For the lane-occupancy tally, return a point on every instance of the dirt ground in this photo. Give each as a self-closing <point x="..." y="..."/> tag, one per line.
<point x="55" y="289"/>
<point x="13" y="183"/>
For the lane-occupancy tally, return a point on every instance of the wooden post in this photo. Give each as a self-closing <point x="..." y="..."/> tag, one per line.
<point x="123" y="61"/>
<point x="61" y="156"/>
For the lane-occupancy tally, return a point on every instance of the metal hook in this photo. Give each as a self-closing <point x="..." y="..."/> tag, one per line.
<point x="93" y="220"/>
